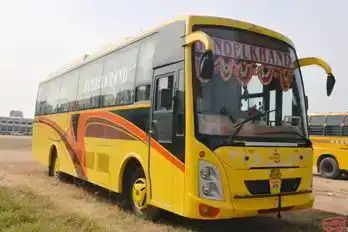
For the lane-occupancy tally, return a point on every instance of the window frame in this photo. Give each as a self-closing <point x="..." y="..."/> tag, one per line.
<point x="172" y="75"/>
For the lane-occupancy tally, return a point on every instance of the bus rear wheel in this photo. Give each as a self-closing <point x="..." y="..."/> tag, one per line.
<point x="53" y="168"/>
<point x="329" y="168"/>
<point x="137" y="196"/>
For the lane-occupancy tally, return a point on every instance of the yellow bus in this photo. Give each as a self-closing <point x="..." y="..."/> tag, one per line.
<point x="329" y="135"/>
<point x="203" y="116"/>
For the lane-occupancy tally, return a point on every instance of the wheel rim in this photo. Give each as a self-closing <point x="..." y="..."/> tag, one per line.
<point x="328" y="168"/>
<point x="139" y="193"/>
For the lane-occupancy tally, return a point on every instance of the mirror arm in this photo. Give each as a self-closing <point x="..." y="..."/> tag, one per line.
<point x="199" y="36"/>
<point x="314" y="61"/>
<point x="330" y="82"/>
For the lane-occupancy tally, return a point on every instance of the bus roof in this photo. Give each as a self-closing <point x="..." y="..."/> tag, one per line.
<point x="106" y="49"/>
<point x="329" y="114"/>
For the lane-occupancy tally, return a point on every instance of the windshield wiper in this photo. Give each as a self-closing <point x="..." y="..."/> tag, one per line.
<point x="239" y="126"/>
<point x="288" y="132"/>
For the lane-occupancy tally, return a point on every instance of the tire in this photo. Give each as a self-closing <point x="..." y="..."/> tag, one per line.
<point x="137" y="196"/>
<point x="345" y="174"/>
<point x="329" y="168"/>
<point x="52" y="168"/>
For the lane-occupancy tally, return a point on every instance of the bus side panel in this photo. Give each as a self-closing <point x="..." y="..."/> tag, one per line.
<point x="100" y="141"/>
<point x="111" y="137"/>
<point x="41" y="143"/>
<point x="51" y="131"/>
<point x="335" y="146"/>
<point x="178" y="190"/>
<point x="105" y="157"/>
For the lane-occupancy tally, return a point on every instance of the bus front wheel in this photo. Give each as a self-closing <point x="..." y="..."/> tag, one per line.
<point x="137" y="195"/>
<point x="329" y="168"/>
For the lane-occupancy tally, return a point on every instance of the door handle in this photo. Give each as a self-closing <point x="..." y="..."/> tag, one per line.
<point x="155" y="121"/>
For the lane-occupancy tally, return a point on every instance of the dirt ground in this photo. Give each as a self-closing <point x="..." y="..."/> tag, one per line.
<point x="17" y="167"/>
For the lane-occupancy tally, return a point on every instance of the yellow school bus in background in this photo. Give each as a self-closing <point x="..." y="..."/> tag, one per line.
<point x="188" y="117"/>
<point x="329" y="135"/>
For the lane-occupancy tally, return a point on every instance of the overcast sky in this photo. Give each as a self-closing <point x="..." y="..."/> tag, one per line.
<point x="37" y="37"/>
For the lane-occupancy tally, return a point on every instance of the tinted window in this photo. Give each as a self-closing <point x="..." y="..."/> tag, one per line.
<point x="39" y="101"/>
<point x="47" y="100"/>
<point x="345" y="128"/>
<point x="181" y="93"/>
<point x="346" y="120"/>
<point x="318" y="120"/>
<point x="118" y="78"/>
<point x="52" y="93"/>
<point x="89" y="85"/>
<point x="334" y="120"/>
<point x="67" y="93"/>
<point x="144" y="67"/>
<point x="142" y="93"/>
<point x="180" y="102"/>
<point x="163" y="83"/>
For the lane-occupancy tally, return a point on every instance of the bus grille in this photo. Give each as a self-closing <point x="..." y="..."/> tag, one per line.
<point x="290" y="185"/>
<point x="257" y="187"/>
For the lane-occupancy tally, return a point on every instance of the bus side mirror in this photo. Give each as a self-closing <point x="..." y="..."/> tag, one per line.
<point x="330" y="83"/>
<point x="166" y="98"/>
<point x="206" y="68"/>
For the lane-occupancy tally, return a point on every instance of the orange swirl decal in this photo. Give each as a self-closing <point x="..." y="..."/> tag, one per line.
<point x="103" y="124"/>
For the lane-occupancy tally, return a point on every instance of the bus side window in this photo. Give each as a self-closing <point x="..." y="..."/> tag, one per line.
<point x="142" y="93"/>
<point x="345" y="127"/>
<point x="333" y="126"/>
<point x="163" y="83"/>
<point x="316" y="126"/>
<point x="180" y="103"/>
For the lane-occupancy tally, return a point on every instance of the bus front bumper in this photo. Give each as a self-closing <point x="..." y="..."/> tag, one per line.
<point x="247" y="206"/>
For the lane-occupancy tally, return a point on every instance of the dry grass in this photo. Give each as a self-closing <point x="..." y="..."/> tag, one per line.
<point x="22" y="210"/>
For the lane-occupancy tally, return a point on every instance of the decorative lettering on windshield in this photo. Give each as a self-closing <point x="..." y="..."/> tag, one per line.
<point x="243" y="61"/>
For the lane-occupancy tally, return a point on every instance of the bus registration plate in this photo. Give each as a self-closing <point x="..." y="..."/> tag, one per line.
<point x="275" y="174"/>
<point x="275" y="180"/>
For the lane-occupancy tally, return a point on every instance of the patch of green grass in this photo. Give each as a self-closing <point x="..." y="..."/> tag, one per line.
<point x="21" y="210"/>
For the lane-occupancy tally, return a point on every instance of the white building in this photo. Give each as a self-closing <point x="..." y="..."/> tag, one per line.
<point x="15" y="124"/>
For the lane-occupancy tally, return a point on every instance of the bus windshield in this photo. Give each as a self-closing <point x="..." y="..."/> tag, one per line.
<point x="254" y="78"/>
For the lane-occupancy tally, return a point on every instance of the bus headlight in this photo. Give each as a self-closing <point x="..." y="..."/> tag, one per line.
<point x="210" y="186"/>
<point x="205" y="173"/>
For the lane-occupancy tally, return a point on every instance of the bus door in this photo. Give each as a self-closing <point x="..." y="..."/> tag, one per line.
<point x="167" y="128"/>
